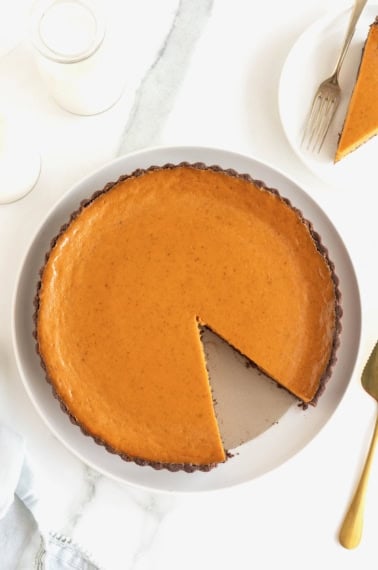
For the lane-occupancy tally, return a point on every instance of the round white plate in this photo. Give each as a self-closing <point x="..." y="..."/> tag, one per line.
<point x="295" y="429"/>
<point x="310" y="61"/>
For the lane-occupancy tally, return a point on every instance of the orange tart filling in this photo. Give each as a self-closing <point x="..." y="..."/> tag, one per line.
<point x="135" y="272"/>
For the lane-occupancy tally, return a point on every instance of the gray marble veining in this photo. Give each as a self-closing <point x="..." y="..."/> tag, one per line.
<point x="155" y="96"/>
<point x="89" y="487"/>
<point x="155" y="508"/>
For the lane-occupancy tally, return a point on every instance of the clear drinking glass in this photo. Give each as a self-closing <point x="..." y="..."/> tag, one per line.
<point x="20" y="162"/>
<point x="78" y="57"/>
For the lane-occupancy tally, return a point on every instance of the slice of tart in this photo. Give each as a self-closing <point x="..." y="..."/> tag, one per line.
<point x="361" y="121"/>
<point x="136" y="272"/>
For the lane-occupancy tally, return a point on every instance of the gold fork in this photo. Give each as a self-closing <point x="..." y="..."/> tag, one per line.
<point x="327" y="96"/>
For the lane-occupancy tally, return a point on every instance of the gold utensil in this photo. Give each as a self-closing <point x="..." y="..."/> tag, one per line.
<point x="327" y="96"/>
<point x="351" y="529"/>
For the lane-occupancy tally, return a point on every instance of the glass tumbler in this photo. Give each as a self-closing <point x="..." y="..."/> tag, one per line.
<point x="78" y="57"/>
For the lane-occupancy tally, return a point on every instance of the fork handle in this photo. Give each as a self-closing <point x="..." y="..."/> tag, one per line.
<point x="351" y="529"/>
<point x="357" y="9"/>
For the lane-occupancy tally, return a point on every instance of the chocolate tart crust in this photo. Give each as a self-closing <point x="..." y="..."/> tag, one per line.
<point x="189" y="467"/>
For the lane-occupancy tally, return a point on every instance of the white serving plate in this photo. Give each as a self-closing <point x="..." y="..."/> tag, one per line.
<point x="275" y="445"/>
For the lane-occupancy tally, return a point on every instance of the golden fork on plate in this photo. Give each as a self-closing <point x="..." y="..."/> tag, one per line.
<point x="351" y="529"/>
<point x="327" y="96"/>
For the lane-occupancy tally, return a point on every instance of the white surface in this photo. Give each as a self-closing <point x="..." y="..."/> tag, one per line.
<point x="254" y="458"/>
<point x="13" y="18"/>
<point x="227" y="98"/>
<point x="317" y="50"/>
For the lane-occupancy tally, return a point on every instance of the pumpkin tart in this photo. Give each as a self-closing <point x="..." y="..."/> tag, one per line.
<point x="361" y="121"/>
<point x="141" y="267"/>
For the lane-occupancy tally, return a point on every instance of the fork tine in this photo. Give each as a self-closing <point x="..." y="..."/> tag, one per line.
<point x="318" y="122"/>
<point x="327" y="118"/>
<point x="311" y="120"/>
<point x="321" y="124"/>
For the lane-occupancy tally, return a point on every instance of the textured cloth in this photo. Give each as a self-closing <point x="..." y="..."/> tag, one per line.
<point x="19" y="523"/>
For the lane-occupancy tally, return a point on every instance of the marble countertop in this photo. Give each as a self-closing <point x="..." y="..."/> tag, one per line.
<point x="198" y="72"/>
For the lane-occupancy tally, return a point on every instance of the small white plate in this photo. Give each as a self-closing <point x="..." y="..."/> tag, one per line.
<point x="294" y="430"/>
<point x="310" y="61"/>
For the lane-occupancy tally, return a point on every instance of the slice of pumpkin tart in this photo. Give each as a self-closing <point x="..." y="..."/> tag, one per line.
<point x="361" y="121"/>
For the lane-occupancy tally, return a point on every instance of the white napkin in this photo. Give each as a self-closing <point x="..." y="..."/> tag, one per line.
<point x="18" y="503"/>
